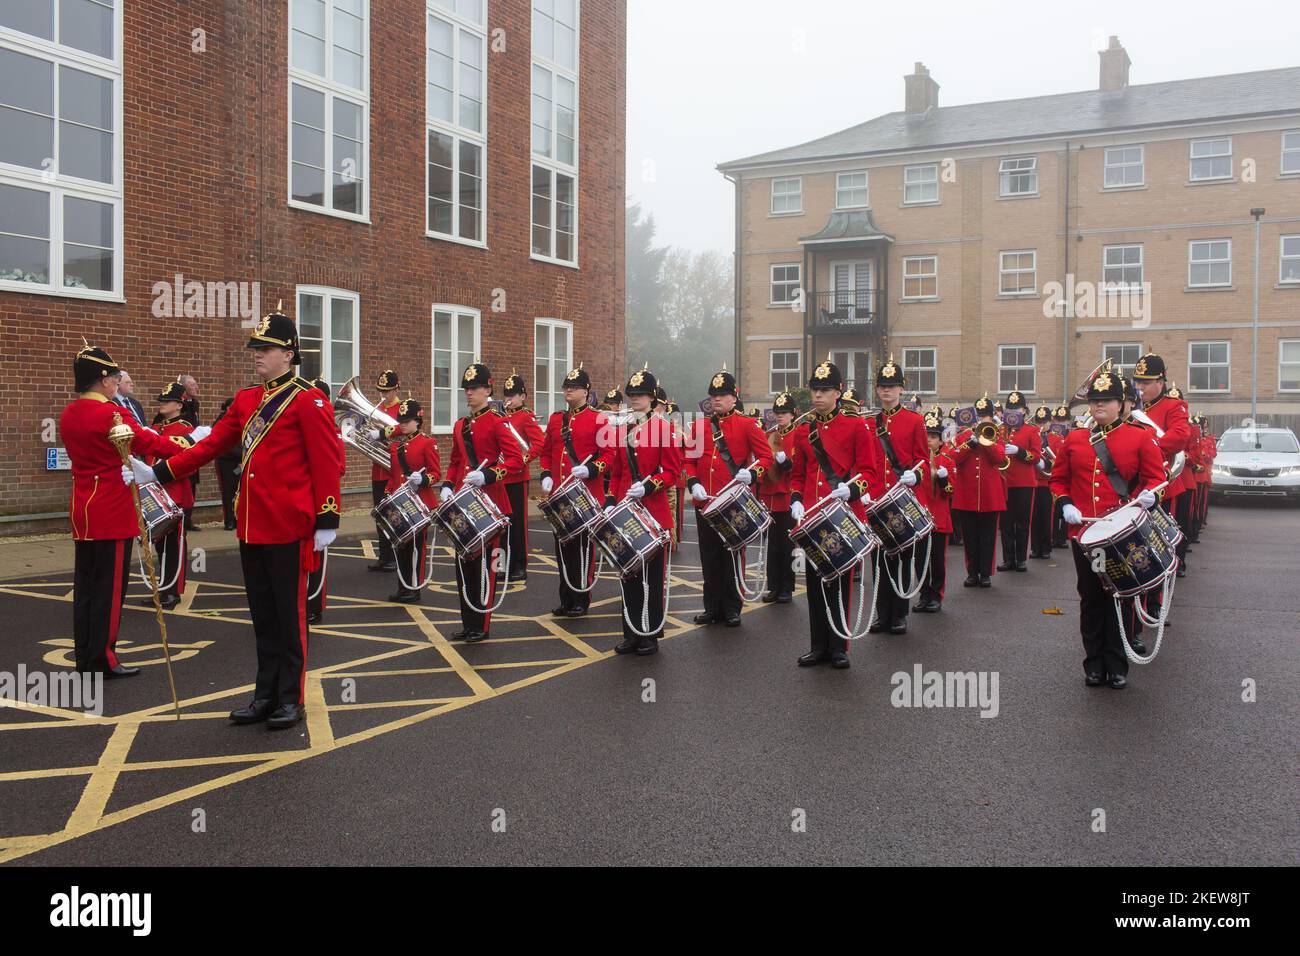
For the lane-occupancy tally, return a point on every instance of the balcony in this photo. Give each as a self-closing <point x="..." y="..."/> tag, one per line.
<point x="851" y="310"/>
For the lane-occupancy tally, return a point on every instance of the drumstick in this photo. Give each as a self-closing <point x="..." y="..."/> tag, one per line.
<point x="1156" y="490"/>
<point x="828" y="497"/>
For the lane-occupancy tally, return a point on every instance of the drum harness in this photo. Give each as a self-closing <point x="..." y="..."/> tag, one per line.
<point x="918" y="580"/>
<point x="1125" y="490"/>
<point x="644" y="630"/>
<point x="738" y="556"/>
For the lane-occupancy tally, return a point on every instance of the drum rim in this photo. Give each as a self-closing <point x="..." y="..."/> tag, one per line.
<point x="1138" y="511"/>
<point x="732" y="489"/>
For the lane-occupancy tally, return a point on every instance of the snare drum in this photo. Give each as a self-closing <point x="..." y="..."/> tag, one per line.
<point x="161" y="513"/>
<point x="571" y="509"/>
<point x="737" y="516"/>
<point x="832" y="540"/>
<point x="402" y="515"/>
<point x="899" y="519"/>
<point x="630" y="536"/>
<point x="472" y="520"/>
<point x="1137" y="556"/>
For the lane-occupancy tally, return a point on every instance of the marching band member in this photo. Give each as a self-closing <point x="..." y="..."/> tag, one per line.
<point x="387" y="384"/>
<point x="671" y="411"/>
<point x="576" y="444"/>
<point x="102" y="512"/>
<point x="483" y="452"/>
<point x="774" y="492"/>
<point x="172" y="553"/>
<point x="828" y="451"/>
<point x="1169" y="414"/>
<point x="1061" y="425"/>
<point x="980" y="496"/>
<point x="851" y="403"/>
<point x="905" y="452"/>
<point x="643" y="467"/>
<point x="287" y="509"/>
<point x="1185" y="484"/>
<point x="936" y="495"/>
<point x="724" y="446"/>
<point x="1206" y="453"/>
<point x="317" y="584"/>
<point x="1024" y="447"/>
<point x="414" y="461"/>
<point x="524" y="422"/>
<point x="1084" y="487"/>
<point x="612" y="402"/>
<point x="1040" y="517"/>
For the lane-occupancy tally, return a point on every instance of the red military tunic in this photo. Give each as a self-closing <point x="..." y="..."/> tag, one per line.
<point x="979" y="485"/>
<point x="591" y="434"/>
<point x="658" y="450"/>
<point x="421" y="452"/>
<point x="1171" y="415"/>
<point x="378" y="472"/>
<point x="1209" y="450"/>
<point x="1079" y="479"/>
<point x="525" y="425"/>
<point x="774" y="489"/>
<point x="906" y="431"/>
<point x="1022" y="472"/>
<point x="495" y="449"/>
<point x="1186" y="480"/>
<point x="102" y="507"/>
<point x="289" y="477"/>
<point x="850" y="449"/>
<point x="745" y="441"/>
<point x="182" y="492"/>
<point x="1054" y="443"/>
<point x="935" y="492"/>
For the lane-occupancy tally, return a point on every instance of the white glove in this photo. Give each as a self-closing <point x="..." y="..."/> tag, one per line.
<point x="842" y="492"/>
<point x="149" y="430"/>
<point x="636" y="490"/>
<point x="128" y="476"/>
<point x="908" y="478"/>
<point x="143" y="473"/>
<point x="324" y="537"/>
<point x="781" y="457"/>
<point x="796" y="511"/>
<point x="581" y="472"/>
<point x="1147" y="500"/>
<point x="1042" y="464"/>
<point x="744" y="476"/>
<point x="941" y="471"/>
<point x="698" y="492"/>
<point x="415" y="480"/>
<point x="447" y="494"/>
<point x="547" y="484"/>
<point x="1013" y="449"/>
<point x="372" y="434"/>
<point x="200" y="433"/>
<point x="1072" y="515"/>
<point x="475" y="479"/>
<point x="608" y="508"/>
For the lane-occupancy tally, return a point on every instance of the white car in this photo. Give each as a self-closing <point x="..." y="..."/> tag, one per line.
<point x="1257" y="461"/>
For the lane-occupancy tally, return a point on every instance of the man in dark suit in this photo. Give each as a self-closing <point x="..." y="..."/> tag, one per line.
<point x="126" y="397"/>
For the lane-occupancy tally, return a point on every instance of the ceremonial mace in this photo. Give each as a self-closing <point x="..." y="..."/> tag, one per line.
<point x="121" y="436"/>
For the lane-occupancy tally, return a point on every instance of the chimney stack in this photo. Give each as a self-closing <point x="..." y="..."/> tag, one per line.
<point x="1114" y="67"/>
<point x="921" y="92"/>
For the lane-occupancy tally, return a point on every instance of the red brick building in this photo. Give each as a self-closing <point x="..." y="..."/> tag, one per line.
<point x="420" y="181"/>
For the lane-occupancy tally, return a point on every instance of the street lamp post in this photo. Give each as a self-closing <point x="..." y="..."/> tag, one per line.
<point x="1254" y="328"/>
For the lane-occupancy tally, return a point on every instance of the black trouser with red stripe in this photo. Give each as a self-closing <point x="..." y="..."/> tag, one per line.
<point x="275" y="580"/>
<point x="937" y="576"/>
<point x="100" y="574"/>
<point x="721" y="593"/>
<point x="378" y="494"/>
<point x="518" y="495"/>
<point x="780" y="554"/>
<point x="634" y="593"/>
<point x="822" y="600"/>
<point x="1103" y="649"/>
<point x="570" y="557"/>
<point x="412" y="559"/>
<point x="317" y="588"/>
<point x="469" y="580"/>
<point x="1040" y="522"/>
<point x="890" y="608"/>
<point x="1015" y="525"/>
<point x="979" y="531"/>
<point x="1182" y="512"/>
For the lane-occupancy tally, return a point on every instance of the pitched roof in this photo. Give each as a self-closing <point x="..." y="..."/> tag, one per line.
<point x="1237" y="95"/>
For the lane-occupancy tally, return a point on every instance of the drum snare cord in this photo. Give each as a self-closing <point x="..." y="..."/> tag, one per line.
<point x="162" y="562"/>
<point x="645" y="597"/>
<point x="1158" y="622"/>
<point x="917" y="580"/>
<point x="742" y="575"/>
<point x="485" y="583"/>
<point x="855" y="633"/>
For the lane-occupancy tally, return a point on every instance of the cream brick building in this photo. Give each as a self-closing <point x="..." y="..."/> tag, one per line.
<point x="969" y="241"/>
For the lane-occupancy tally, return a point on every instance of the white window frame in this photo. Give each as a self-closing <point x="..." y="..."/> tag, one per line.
<point x="865" y="189"/>
<point x="773" y="282"/>
<point x="1192" y="158"/>
<point x="797" y="193"/>
<point x="1292" y="151"/>
<point x="1032" y="368"/>
<point x="921" y="183"/>
<point x="1281" y="363"/>
<point x="58" y="186"/>
<point x="1009" y="167"/>
<point x="328" y="295"/>
<point x="457" y="132"/>
<point x="560" y="366"/>
<point x="1283" y="256"/>
<point x="1227" y="362"/>
<point x="921" y="277"/>
<point x="454" y="393"/>
<point x="1107" y="346"/>
<point x="554" y="173"/>
<point x="1140" y="266"/>
<point x="1192" y="243"/>
<point x="773" y="371"/>
<point x="1107" y="166"/>
<point x="1032" y="271"/>
<point x="331" y="90"/>
<point x="914" y="367"/>
<point x="549" y="162"/>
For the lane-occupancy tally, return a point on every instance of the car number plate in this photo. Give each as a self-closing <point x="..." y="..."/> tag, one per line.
<point x="1252" y="482"/>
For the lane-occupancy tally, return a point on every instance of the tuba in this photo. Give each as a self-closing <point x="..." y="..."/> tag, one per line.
<point x="355" y="415"/>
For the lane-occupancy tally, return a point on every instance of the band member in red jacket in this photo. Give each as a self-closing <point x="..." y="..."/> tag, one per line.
<point x="1170" y="414"/>
<point x="1040" y="516"/>
<point x="774" y="492"/>
<point x="723" y="447"/>
<point x="387" y="383"/>
<point x="524" y="421"/>
<point x="935" y="493"/>
<point x="172" y="553"/>
<point x="579" y="441"/>
<point x="980" y="495"/>
<point x="287" y="509"/>
<point x="414" y="463"/>
<point x="643" y="467"/>
<point x="853" y="459"/>
<point x="1083" y="489"/>
<point x="317" y="583"/>
<point x="1060" y="427"/>
<point x="102" y="512"/>
<point x="905" y="457"/>
<point x="1024" y="448"/>
<point x="1184" y="486"/>
<point x="1202" y="474"/>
